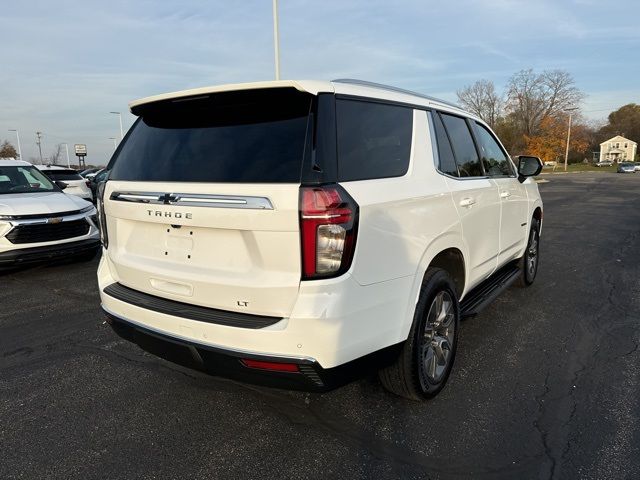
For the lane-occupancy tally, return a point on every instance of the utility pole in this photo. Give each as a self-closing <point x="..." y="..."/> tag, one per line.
<point x="39" y="142"/>
<point x="566" y="153"/>
<point x="19" y="147"/>
<point x="276" y="39"/>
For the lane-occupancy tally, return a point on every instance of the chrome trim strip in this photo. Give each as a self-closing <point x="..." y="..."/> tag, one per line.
<point x="44" y="221"/>
<point x="196" y="342"/>
<point x="194" y="200"/>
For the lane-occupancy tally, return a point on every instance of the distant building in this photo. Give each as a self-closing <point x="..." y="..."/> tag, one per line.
<point x="618" y="149"/>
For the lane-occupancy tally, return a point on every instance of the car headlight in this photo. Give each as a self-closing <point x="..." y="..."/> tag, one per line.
<point x="6" y="217"/>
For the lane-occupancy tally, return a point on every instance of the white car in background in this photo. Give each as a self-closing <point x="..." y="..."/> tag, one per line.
<point x="38" y="222"/>
<point x="75" y="184"/>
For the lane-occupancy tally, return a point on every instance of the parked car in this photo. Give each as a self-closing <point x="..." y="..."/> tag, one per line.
<point x="637" y="166"/>
<point x="90" y="172"/>
<point x="626" y="167"/>
<point x="75" y="184"/>
<point x="604" y="163"/>
<point x="39" y="222"/>
<point x="96" y="179"/>
<point x="296" y="232"/>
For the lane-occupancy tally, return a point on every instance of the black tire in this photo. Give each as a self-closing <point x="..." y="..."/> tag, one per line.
<point x="530" y="261"/>
<point x="409" y="376"/>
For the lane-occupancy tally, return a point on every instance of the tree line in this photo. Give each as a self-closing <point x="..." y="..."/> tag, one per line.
<point x="531" y="116"/>
<point x="7" y="150"/>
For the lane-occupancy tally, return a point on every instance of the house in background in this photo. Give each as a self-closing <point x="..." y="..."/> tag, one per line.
<point x="618" y="149"/>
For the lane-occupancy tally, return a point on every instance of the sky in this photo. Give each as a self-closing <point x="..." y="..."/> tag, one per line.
<point x="67" y="64"/>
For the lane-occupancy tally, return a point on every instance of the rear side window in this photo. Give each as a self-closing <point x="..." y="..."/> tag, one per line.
<point x="250" y="136"/>
<point x="447" y="162"/>
<point x="62" y="175"/>
<point x="374" y="140"/>
<point x="495" y="160"/>
<point x="463" y="146"/>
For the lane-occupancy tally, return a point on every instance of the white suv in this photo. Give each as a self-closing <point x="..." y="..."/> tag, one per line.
<point x="38" y="221"/>
<point x="75" y="184"/>
<point x="298" y="232"/>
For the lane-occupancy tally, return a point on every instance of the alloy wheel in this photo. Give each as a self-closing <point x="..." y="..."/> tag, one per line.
<point x="438" y="338"/>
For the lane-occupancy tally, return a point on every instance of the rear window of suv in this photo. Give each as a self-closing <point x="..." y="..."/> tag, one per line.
<point x="374" y="139"/>
<point x="251" y="136"/>
<point x="62" y="175"/>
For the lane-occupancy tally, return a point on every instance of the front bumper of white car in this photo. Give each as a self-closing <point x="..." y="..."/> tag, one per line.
<point x="35" y="238"/>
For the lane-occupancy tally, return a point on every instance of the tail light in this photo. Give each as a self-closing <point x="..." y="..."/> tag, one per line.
<point x="328" y="227"/>
<point x="104" y="237"/>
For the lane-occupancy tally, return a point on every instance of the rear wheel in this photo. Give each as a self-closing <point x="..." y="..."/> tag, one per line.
<point x="531" y="258"/>
<point x="424" y="364"/>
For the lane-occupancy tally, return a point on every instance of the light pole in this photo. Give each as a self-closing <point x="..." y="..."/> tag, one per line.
<point x="19" y="147"/>
<point x="66" y="146"/>
<point x="276" y="39"/>
<point x="120" y="118"/>
<point x="115" y="145"/>
<point x="566" y="153"/>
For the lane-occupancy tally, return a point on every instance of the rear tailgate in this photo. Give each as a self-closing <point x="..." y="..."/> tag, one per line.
<point x="202" y="200"/>
<point x="237" y="250"/>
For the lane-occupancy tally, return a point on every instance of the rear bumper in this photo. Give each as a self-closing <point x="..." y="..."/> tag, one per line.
<point x="310" y="376"/>
<point x="20" y="256"/>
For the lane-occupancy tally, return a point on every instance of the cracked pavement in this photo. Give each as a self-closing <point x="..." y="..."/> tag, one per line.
<point x="546" y="382"/>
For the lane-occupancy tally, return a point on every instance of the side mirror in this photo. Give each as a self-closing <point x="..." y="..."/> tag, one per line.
<point x="61" y="185"/>
<point x="528" y="167"/>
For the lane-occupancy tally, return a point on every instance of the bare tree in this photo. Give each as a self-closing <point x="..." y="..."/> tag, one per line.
<point x="7" y="150"/>
<point x="481" y="99"/>
<point x="531" y="97"/>
<point x="56" y="154"/>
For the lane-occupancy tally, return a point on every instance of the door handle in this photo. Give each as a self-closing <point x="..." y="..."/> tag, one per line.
<point x="505" y="194"/>
<point x="467" y="202"/>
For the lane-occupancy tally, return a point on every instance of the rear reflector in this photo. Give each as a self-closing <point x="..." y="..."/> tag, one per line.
<point x="272" y="366"/>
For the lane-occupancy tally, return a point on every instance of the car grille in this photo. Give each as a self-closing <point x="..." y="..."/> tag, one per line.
<point x="48" y="232"/>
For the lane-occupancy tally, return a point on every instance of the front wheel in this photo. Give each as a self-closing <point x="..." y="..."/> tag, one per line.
<point x="424" y="364"/>
<point x="531" y="258"/>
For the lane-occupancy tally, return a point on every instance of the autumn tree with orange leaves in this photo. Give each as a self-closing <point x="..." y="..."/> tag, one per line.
<point x="550" y="141"/>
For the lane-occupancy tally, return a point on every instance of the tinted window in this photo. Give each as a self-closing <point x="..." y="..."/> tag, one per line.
<point x="62" y="175"/>
<point x="446" y="160"/>
<point x="374" y="140"/>
<point x="463" y="146"/>
<point x="495" y="161"/>
<point x="253" y="136"/>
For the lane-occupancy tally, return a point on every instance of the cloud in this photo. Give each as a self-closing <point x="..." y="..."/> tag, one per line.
<point x="68" y="63"/>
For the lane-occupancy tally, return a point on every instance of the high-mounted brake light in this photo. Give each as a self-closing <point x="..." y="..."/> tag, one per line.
<point x="328" y="225"/>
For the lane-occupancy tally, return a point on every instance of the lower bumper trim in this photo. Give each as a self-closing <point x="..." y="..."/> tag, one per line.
<point x="228" y="363"/>
<point x="21" y="256"/>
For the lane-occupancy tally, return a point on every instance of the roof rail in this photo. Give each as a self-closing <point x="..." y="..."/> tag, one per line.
<point x="390" y="88"/>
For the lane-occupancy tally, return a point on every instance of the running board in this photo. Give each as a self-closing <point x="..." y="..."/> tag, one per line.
<point x="488" y="291"/>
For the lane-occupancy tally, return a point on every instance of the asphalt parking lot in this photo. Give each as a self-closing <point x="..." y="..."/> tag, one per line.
<point x="546" y="382"/>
